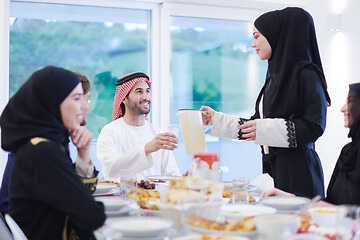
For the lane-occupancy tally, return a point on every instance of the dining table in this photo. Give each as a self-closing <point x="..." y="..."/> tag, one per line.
<point x="276" y="218"/>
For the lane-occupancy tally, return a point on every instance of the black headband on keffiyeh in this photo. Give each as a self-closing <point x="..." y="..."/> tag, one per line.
<point x="131" y="76"/>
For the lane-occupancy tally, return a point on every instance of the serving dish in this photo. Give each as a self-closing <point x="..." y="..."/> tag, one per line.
<point x="160" y="179"/>
<point x="242" y="211"/>
<point x="113" y="203"/>
<point x="277" y="226"/>
<point x="221" y="233"/>
<point x="210" y="237"/>
<point x="324" y="216"/>
<point x="105" y="188"/>
<point x="141" y="227"/>
<point x="285" y="204"/>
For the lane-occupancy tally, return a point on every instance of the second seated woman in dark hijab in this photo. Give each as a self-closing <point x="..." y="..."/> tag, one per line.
<point x="345" y="180"/>
<point x="48" y="200"/>
<point x="290" y="111"/>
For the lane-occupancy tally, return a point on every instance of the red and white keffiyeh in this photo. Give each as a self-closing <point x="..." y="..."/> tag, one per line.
<point x="122" y="91"/>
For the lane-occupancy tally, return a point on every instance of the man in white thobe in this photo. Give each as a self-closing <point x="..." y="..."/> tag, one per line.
<point x="131" y="141"/>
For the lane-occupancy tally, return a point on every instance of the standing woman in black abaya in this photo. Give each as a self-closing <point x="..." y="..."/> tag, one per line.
<point x="290" y="111"/>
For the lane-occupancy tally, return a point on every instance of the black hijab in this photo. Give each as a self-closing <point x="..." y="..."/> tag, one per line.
<point x="291" y="35"/>
<point x="34" y="111"/>
<point x="350" y="153"/>
<point x="344" y="183"/>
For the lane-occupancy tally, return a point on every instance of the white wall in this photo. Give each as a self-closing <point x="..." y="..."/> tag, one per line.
<point x="341" y="65"/>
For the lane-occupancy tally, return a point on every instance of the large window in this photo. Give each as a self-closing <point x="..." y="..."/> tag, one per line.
<point x="212" y="64"/>
<point x="101" y="43"/>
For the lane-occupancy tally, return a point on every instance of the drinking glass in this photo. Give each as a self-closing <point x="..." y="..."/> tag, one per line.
<point x="241" y="191"/>
<point x="173" y="129"/>
<point x="348" y="222"/>
<point x="127" y="181"/>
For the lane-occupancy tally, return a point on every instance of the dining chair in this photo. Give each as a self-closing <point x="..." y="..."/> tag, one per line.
<point x="17" y="233"/>
<point x="5" y="233"/>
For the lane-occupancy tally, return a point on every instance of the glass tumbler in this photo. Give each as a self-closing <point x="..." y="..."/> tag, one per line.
<point x="127" y="181"/>
<point x="241" y="191"/>
<point x="173" y="129"/>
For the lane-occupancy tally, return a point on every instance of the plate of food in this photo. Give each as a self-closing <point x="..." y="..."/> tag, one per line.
<point x="144" y="196"/>
<point x="105" y="189"/>
<point x="159" y="179"/>
<point x="307" y="236"/>
<point x="241" y="211"/>
<point x="246" y="227"/>
<point x="210" y="237"/>
<point x="285" y="204"/>
<point x="108" y="181"/>
<point x="141" y="227"/>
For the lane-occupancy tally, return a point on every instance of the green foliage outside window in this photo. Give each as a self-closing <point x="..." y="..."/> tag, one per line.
<point x="102" y="53"/>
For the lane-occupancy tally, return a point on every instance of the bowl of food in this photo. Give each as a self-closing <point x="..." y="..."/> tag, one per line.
<point x="191" y="196"/>
<point x="324" y="216"/>
<point x="113" y="203"/>
<point x="178" y="213"/>
<point x="245" y="227"/>
<point x="210" y="237"/>
<point x="275" y="226"/>
<point x="141" y="227"/>
<point x="105" y="189"/>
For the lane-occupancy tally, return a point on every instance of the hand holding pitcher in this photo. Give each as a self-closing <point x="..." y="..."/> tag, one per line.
<point x="192" y="129"/>
<point x="207" y="116"/>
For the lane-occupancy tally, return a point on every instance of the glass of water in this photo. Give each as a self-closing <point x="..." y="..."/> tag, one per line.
<point x="127" y="181"/>
<point x="241" y="191"/>
<point x="173" y="129"/>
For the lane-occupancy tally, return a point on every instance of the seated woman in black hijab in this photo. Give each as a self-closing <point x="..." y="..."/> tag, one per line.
<point x="48" y="200"/>
<point x="290" y="111"/>
<point x="79" y="138"/>
<point x="345" y="180"/>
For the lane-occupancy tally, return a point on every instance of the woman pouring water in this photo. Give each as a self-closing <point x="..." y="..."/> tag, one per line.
<point x="290" y="111"/>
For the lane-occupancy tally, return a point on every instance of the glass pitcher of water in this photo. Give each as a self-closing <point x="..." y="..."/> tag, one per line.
<point x="192" y="129"/>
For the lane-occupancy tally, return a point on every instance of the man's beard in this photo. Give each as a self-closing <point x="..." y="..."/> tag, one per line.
<point x="136" y="109"/>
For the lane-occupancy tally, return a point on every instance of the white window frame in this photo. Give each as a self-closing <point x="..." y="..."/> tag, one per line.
<point x="4" y="67"/>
